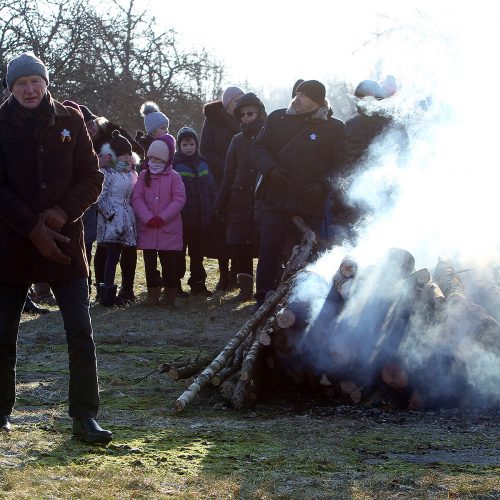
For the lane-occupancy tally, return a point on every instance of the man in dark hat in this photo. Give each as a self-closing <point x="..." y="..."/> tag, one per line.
<point x="48" y="177"/>
<point x="299" y="152"/>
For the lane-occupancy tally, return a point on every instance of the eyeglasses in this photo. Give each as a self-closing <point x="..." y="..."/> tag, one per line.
<point x="247" y="113"/>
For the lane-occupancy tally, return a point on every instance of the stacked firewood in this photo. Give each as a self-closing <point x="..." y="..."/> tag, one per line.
<point x="384" y="335"/>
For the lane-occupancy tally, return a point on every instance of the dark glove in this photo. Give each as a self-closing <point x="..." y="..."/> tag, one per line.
<point x="278" y="176"/>
<point x="314" y="192"/>
<point x="44" y="240"/>
<point x="54" y="218"/>
<point x="219" y="215"/>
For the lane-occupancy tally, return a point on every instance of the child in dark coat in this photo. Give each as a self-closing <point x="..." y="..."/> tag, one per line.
<point x="197" y="213"/>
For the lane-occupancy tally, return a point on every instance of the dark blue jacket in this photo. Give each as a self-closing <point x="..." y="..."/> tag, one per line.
<point x="200" y="190"/>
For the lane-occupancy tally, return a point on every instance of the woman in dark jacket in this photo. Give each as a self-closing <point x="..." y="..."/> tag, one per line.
<point x="219" y="127"/>
<point x="235" y="200"/>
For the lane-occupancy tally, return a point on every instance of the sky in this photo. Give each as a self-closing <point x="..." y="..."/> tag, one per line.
<point x="272" y="44"/>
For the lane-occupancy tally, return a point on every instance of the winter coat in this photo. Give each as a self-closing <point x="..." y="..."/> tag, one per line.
<point x="218" y="129"/>
<point x="363" y="129"/>
<point x="200" y="190"/>
<point x="310" y="148"/>
<point x="236" y="197"/>
<point x="165" y="197"/>
<point x="38" y="170"/>
<point x="115" y="215"/>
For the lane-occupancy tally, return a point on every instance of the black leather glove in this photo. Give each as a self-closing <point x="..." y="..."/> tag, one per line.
<point x="314" y="192"/>
<point x="278" y="176"/>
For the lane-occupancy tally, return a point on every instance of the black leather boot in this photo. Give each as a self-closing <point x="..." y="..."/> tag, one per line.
<point x="88" y="430"/>
<point x="4" y="423"/>
<point x="107" y="295"/>
<point x="31" y="308"/>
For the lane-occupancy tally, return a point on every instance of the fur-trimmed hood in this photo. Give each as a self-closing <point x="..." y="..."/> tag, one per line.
<point x="322" y="113"/>
<point x="106" y="150"/>
<point x="214" y="111"/>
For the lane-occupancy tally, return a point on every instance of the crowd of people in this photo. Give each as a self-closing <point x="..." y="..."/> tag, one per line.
<point x="72" y="181"/>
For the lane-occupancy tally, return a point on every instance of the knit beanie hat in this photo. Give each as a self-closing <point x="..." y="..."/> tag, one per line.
<point x="88" y="116"/>
<point x="295" y="85"/>
<point x="314" y="90"/>
<point x="25" y="65"/>
<point x="120" y="144"/>
<point x="153" y="117"/>
<point x="369" y="88"/>
<point x="185" y="133"/>
<point x="163" y="147"/>
<point x="229" y="94"/>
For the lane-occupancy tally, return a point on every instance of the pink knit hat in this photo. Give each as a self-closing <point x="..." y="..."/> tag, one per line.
<point x="163" y="147"/>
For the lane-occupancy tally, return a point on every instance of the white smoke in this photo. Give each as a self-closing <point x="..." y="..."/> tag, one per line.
<point x="441" y="199"/>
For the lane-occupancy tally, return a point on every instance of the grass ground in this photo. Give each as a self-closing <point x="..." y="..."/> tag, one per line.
<point x="279" y="449"/>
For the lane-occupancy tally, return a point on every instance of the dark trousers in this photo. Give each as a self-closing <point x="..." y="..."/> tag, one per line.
<point x="278" y="235"/>
<point x="242" y="260"/>
<point x="128" y="264"/>
<point x="73" y="301"/>
<point x="168" y="262"/>
<point x="194" y="239"/>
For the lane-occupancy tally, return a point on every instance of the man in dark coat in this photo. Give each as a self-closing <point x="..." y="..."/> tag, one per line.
<point x="371" y="123"/>
<point x="48" y="177"/>
<point x="219" y="127"/>
<point x="299" y="152"/>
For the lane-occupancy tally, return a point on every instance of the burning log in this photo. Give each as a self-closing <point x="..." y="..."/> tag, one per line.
<point x="352" y="390"/>
<point x="344" y="277"/>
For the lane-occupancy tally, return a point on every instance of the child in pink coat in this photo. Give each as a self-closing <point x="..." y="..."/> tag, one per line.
<point x="158" y="199"/>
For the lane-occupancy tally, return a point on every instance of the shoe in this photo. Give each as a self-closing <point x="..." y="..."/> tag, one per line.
<point x="168" y="297"/>
<point x="223" y="280"/>
<point x="201" y="291"/>
<point x="153" y="298"/>
<point x="4" y="423"/>
<point x="232" y="280"/>
<point x="31" y="308"/>
<point x="88" y="430"/>
<point x="245" y="282"/>
<point x="107" y="295"/>
<point x="126" y="295"/>
<point x="43" y="294"/>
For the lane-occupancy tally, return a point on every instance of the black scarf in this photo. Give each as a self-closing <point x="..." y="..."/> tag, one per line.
<point x="33" y="120"/>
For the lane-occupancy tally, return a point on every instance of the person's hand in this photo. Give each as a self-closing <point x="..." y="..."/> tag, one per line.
<point x="151" y="222"/>
<point x="104" y="160"/>
<point x="158" y="221"/>
<point x="314" y="192"/>
<point x="219" y="215"/>
<point x="54" y="218"/>
<point x="278" y="176"/>
<point x="44" y="240"/>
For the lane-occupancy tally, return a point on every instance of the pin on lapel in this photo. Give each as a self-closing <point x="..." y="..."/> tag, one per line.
<point x="65" y="136"/>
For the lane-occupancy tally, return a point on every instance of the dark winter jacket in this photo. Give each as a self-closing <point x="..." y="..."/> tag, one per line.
<point x="311" y="149"/>
<point x="362" y="130"/>
<point x="37" y="171"/>
<point x="235" y="198"/>
<point x="200" y="190"/>
<point x="218" y="130"/>
<point x="144" y="140"/>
